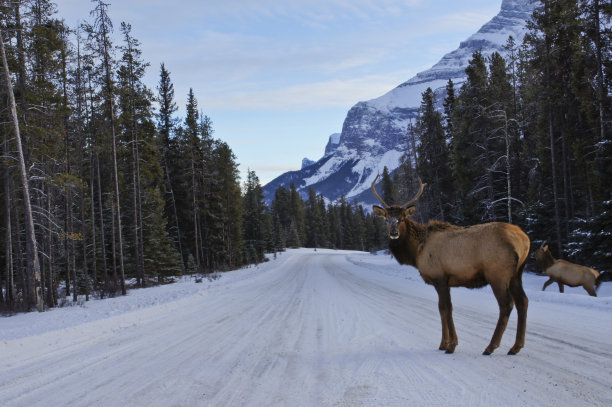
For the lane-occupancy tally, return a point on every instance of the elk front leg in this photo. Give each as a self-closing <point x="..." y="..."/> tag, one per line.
<point x="449" y="336"/>
<point x="547" y="283"/>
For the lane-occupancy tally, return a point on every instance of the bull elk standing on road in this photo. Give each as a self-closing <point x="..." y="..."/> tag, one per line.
<point x="564" y="272"/>
<point x="451" y="256"/>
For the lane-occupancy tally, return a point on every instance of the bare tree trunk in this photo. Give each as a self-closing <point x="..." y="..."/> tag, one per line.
<point x="31" y="245"/>
<point x="551" y="135"/>
<point x="81" y="160"/>
<point x="119" y="232"/>
<point x="21" y="74"/>
<point x="84" y="234"/>
<point x="196" y="233"/>
<point x="71" y="248"/>
<point x="489" y="175"/>
<point x="93" y="223"/>
<point x="600" y="77"/>
<point x="140" y="225"/>
<point x="67" y="250"/>
<point x="136" y="235"/>
<point x="51" y="296"/>
<point x="554" y="181"/>
<point x="102" y="233"/>
<point x="137" y="202"/>
<point x="566" y="187"/>
<point x="8" y="258"/>
<point x="508" y="178"/>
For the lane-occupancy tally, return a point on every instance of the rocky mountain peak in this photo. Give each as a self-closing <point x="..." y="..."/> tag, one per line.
<point x="373" y="134"/>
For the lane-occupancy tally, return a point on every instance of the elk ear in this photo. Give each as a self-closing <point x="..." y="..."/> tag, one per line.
<point x="378" y="211"/>
<point x="545" y="248"/>
<point x="410" y="211"/>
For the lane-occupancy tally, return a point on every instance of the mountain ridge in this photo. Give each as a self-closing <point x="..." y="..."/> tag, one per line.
<point x="374" y="131"/>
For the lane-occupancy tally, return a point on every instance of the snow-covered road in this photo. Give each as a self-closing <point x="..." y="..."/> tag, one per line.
<point x="325" y="328"/>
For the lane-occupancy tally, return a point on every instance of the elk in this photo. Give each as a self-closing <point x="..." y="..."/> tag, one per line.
<point x="563" y="272"/>
<point x="452" y="256"/>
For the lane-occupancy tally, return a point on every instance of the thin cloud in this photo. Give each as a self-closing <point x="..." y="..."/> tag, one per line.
<point x="324" y="94"/>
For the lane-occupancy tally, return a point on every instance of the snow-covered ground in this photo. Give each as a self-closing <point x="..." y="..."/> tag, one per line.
<point x="324" y="328"/>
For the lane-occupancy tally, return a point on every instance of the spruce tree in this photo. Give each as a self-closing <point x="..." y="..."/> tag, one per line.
<point x="254" y="218"/>
<point x="388" y="187"/>
<point x="169" y="153"/>
<point x="433" y="158"/>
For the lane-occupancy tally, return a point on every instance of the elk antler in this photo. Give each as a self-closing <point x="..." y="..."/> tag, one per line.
<point x="417" y="196"/>
<point x="376" y="193"/>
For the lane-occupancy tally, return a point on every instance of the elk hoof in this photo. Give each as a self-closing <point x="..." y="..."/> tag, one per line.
<point x="450" y="347"/>
<point x="514" y="350"/>
<point x="488" y="350"/>
<point x="449" y="351"/>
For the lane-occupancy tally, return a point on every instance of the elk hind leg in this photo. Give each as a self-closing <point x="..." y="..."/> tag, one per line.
<point x="505" y="302"/>
<point x="589" y="289"/>
<point x="521" y="301"/>
<point x="449" y="336"/>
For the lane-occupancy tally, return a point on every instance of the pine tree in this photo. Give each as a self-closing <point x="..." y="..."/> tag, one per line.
<point x="226" y="239"/>
<point x="254" y="218"/>
<point x="450" y="101"/>
<point x="388" y="187"/>
<point x="433" y="158"/>
<point x="189" y="173"/>
<point x="471" y="152"/>
<point x="169" y="150"/>
<point x="34" y="292"/>
<point x="101" y="32"/>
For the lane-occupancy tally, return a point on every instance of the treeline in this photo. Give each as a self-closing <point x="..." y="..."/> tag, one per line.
<point x="527" y="138"/>
<point x="313" y="223"/>
<point x="112" y="193"/>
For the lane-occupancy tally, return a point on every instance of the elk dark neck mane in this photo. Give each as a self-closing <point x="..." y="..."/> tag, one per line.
<point x="546" y="260"/>
<point x="406" y="248"/>
<point x="413" y="235"/>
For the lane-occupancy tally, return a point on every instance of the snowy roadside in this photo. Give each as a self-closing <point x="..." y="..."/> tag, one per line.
<point x="34" y="323"/>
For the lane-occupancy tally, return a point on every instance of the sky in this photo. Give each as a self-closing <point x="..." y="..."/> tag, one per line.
<point x="277" y="77"/>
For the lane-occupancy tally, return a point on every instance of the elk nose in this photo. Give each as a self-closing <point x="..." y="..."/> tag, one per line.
<point x="394" y="234"/>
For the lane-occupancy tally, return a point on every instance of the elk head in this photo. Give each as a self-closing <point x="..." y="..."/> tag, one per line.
<point x="395" y="214"/>
<point x="542" y="254"/>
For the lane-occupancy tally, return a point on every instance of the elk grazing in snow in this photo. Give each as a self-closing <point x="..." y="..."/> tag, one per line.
<point x="563" y="272"/>
<point x="451" y="256"/>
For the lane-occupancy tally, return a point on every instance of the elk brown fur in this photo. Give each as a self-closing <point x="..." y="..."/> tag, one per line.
<point x="563" y="272"/>
<point x="452" y="256"/>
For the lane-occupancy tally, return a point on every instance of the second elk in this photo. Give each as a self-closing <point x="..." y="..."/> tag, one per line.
<point x="563" y="272"/>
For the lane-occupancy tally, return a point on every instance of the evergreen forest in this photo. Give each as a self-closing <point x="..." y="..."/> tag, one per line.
<point x="104" y="188"/>
<point x="526" y="139"/>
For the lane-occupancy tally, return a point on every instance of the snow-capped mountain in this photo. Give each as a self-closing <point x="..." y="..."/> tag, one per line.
<point x="373" y="133"/>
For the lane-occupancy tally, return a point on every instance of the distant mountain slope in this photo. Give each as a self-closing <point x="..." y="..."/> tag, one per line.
<point x="373" y="131"/>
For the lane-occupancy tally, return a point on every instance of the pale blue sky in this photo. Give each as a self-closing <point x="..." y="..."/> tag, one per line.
<point x="277" y="77"/>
